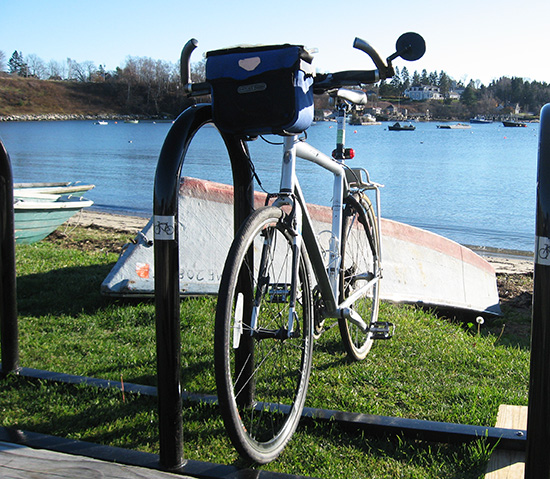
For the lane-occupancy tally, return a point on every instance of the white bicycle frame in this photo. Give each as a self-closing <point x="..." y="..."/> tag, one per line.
<point x="327" y="278"/>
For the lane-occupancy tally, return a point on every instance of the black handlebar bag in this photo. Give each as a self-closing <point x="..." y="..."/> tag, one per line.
<point x="261" y="90"/>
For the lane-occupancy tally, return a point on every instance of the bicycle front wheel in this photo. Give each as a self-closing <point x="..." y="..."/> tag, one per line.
<point x="360" y="267"/>
<point x="263" y="342"/>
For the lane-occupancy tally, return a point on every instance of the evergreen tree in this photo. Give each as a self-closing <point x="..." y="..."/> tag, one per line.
<point x="424" y="77"/>
<point x="405" y="78"/>
<point x="444" y="83"/>
<point x="17" y="64"/>
<point x="396" y="80"/>
<point x="469" y="97"/>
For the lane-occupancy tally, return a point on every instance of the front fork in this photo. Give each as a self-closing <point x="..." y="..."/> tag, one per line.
<point x="289" y="291"/>
<point x="296" y="251"/>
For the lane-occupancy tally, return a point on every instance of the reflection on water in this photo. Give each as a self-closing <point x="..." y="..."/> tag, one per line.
<point x="475" y="186"/>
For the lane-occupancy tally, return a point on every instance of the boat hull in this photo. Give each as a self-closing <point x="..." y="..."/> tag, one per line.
<point x="399" y="127"/>
<point x="419" y="267"/>
<point x="458" y="126"/>
<point x="514" y="124"/>
<point x="35" y="219"/>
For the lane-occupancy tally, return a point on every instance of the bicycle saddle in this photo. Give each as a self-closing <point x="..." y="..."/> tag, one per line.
<point x="357" y="97"/>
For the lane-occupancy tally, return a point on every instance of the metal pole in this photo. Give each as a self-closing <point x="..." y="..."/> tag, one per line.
<point x="167" y="295"/>
<point x="166" y="251"/>
<point x="537" y="464"/>
<point x="8" y="309"/>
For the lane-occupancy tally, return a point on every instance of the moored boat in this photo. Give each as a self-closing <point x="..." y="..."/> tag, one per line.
<point x="399" y="127"/>
<point x="366" y="119"/>
<point x="512" y="123"/>
<point x="481" y="120"/>
<point x="454" y="126"/>
<point x="36" y="217"/>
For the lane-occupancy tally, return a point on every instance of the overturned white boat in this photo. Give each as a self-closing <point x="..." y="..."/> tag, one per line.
<point x="419" y="267"/>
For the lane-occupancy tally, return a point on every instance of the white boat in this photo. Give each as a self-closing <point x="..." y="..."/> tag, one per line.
<point x="60" y="188"/>
<point x="37" y="216"/>
<point x="454" y="126"/>
<point x="419" y="267"/>
<point x="101" y="122"/>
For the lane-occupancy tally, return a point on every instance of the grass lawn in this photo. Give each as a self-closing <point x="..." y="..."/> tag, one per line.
<point x="434" y="368"/>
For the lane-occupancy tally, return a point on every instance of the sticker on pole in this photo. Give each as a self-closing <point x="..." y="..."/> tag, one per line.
<point x="542" y="252"/>
<point x="164" y="228"/>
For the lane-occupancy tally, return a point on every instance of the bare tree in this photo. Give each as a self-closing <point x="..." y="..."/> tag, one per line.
<point x="198" y="71"/>
<point x="56" y="70"/>
<point x="36" y="66"/>
<point x="2" y="61"/>
<point x="82" y="72"/>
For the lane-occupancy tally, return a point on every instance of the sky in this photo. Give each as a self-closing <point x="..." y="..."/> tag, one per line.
<point x="481" y="40"/>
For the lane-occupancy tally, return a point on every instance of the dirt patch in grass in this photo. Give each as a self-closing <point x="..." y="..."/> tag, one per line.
<point x="516" y="290"/>
<point x="92" y="239"/>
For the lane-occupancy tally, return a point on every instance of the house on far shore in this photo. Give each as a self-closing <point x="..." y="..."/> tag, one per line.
<point x="423" y="92"/>
<point x="431" y="92"/>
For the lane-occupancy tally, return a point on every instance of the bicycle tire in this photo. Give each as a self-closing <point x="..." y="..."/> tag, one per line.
<point x="360" y="258"/>
<point x="262" y="397"/>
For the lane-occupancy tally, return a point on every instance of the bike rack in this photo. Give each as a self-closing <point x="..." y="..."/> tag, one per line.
<point x="167" y="291"/>
<point x="537" y="463"/>
<point x="167" y="304"/>
<point x="9" y="334"/>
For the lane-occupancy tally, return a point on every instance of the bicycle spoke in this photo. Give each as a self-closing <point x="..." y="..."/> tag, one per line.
<point x="360" y="275"/>
<point x="266" y="373"/>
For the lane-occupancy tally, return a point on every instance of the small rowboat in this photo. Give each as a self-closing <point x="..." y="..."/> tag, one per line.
<point x="36" y="217"/>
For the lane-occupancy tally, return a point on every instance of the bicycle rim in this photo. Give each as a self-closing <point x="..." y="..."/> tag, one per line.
<point x="360" y="261"/>
<point x="262" y="379"/>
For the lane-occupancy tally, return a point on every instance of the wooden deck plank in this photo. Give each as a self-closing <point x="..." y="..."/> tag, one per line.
<point x="22" y="462"/>
<point x="508" y="464"/>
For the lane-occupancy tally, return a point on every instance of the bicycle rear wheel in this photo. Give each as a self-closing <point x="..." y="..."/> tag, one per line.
<point x="262" y="370"/>
<point x="360" y="263"/>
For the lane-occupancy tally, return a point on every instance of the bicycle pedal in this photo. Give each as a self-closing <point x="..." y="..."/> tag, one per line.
<point x="382" y="330"/>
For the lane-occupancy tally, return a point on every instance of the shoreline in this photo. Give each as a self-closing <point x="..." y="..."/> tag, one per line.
<point x="109" y="115"/>
<point x="504" y="262"/>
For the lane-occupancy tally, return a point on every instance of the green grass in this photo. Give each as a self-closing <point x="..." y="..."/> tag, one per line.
<point x="433" y="369"/>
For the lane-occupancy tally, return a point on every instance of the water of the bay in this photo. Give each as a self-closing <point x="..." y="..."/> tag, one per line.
<point x="475" y="186"/>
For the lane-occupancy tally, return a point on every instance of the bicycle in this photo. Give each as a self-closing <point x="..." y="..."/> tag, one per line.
<point x="269" y="310"/>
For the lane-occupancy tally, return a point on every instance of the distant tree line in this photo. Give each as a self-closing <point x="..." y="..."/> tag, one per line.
<point x="500" y="97"/>
<point x="142" y="85"/>
<point x="153" y="87"/>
